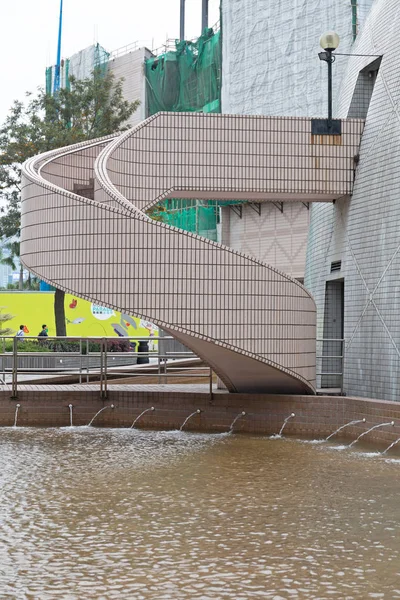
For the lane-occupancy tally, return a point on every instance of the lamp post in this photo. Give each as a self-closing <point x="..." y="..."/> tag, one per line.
<point x="204" y="15"/>
<point x="329" y="42"/>
<point x="182" y="21"/>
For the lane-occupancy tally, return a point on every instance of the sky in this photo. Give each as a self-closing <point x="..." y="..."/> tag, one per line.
<point x="29" y="32"/>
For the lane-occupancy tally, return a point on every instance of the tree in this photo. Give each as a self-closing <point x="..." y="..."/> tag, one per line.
<point x="4" y="317"/>
<point x="87" y="109"/>
<point x="13" y="248"/>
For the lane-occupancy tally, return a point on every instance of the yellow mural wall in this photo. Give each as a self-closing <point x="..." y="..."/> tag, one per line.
<point x="34" y="309"/>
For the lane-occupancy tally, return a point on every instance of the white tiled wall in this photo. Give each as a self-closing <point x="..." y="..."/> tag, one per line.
<point x="130" y="66"/>
<point x="364" y="232"/>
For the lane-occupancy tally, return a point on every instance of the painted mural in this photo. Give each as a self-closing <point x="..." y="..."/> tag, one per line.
<point x="83" y="318"/>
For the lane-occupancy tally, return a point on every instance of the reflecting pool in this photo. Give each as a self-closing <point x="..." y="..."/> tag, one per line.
<point x="104" y="514"/>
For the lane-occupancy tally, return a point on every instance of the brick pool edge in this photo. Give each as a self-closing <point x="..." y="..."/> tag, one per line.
<point x="315" y="416"/>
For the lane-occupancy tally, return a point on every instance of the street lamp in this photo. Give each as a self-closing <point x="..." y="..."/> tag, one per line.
<point x="329" y="42"/>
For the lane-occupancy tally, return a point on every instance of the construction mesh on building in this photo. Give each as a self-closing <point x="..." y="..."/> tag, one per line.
<point x="81" y="65"/>
<point x="196" y="216"/>
<point x="187" y="78"/>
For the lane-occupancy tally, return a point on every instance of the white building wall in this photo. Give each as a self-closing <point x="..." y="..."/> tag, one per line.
<point x="270" y="54"/>
<point x="82" y="64"/>
<point x="364" y="232"/>
<point x="130" y="66"/>
<point x="271" y="67"/>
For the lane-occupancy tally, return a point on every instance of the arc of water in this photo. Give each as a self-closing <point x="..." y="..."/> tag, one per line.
<point x="141" y="414"/>
<point x="17" y="406"/>
<point x="196" y="412"/>
<point x="285" y="421"/>
<point x="391" y="446"/>
<point x="371" y="429"/>
<point x="242" y="414"/>
<point x="345" y="425"/>
<point x="100" y="411"/>
<point x="70" y="406"/>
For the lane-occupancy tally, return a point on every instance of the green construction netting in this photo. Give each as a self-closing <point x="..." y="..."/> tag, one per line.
<point x="196" y="216"/>
<point x="101" y="58"/>
<point x="187" y="79"/>
<point x="82" y="65"/>
<point x="64" y="76"/>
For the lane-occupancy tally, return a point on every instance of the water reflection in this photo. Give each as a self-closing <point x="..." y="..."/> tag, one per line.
<point x="89" y="513"/>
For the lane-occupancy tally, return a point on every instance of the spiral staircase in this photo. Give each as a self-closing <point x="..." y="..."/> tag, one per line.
<point x="85" y="230"/>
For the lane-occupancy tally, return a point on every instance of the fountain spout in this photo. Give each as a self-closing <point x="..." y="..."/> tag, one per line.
<point x="142" y="413"/>
<point x="371" y="429"/>
<point x="391" y="446"/>
<point x="17" y="406"/>
<point x="70" y="406"/>
<point x="343" y="426"/>
<point x="100" y="411"/>
<point x="196" y="412"/>
<point x="242" y="414"/>
<point x="284" y="423"/>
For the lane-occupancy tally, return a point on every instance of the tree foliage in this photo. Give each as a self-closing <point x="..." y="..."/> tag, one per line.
<point x="88" y="109"/>
<point x="4" y="318"/>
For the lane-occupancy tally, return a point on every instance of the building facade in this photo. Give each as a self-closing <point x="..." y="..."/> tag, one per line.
<point x="129" y="66"/>
<point x="271" y="67"/>
<point x="353" y="261"/>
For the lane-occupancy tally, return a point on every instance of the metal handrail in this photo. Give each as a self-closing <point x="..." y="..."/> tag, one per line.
<point x="337" y="357"/>
<point x="161" y="369"/>
<point x="164" y="367"/>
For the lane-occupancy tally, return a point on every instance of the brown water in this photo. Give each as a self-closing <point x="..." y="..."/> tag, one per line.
<point x="124" y="514"/>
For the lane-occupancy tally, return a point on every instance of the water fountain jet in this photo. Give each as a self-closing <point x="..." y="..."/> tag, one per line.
<point x="17" y="406"/>
<point x="70" y="406"/>
<point x="370" y="429"/>
<point x="391" y="446"/>
<point x="196" y="412"/>
<point x="142" y="413"/>
<point x="284" y="423"/>
<point x="343" y="426"/>
<point x="101" y="410"/>
<point x="242" y="414"/>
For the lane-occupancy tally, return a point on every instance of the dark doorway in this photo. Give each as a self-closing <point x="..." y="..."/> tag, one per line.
<point x="363" y="91"/>
<point x="333" y="346"/>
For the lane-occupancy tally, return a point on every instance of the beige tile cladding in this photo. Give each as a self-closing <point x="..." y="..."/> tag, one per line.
<point x="253" y="324"/>
<point x="191" y="155"/>
<point x="315" y="416"/>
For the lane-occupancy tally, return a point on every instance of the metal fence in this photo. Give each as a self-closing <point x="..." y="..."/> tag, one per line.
<point x="101" y="360"/>
<point x="330" y="364"/>
<point x="83" y="360"/>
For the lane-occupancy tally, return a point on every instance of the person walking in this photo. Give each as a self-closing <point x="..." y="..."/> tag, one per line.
<point x="20" y="333"/>
<point x="44" y="331"/>
<point x="43" y="334"/>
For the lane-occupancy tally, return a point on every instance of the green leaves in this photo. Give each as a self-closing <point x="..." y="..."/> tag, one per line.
<point x="4" y="317"/>
<point x="90" y="108"/>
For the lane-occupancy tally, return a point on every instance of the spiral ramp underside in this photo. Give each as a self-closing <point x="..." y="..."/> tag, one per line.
<point x="253" y="324"/>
